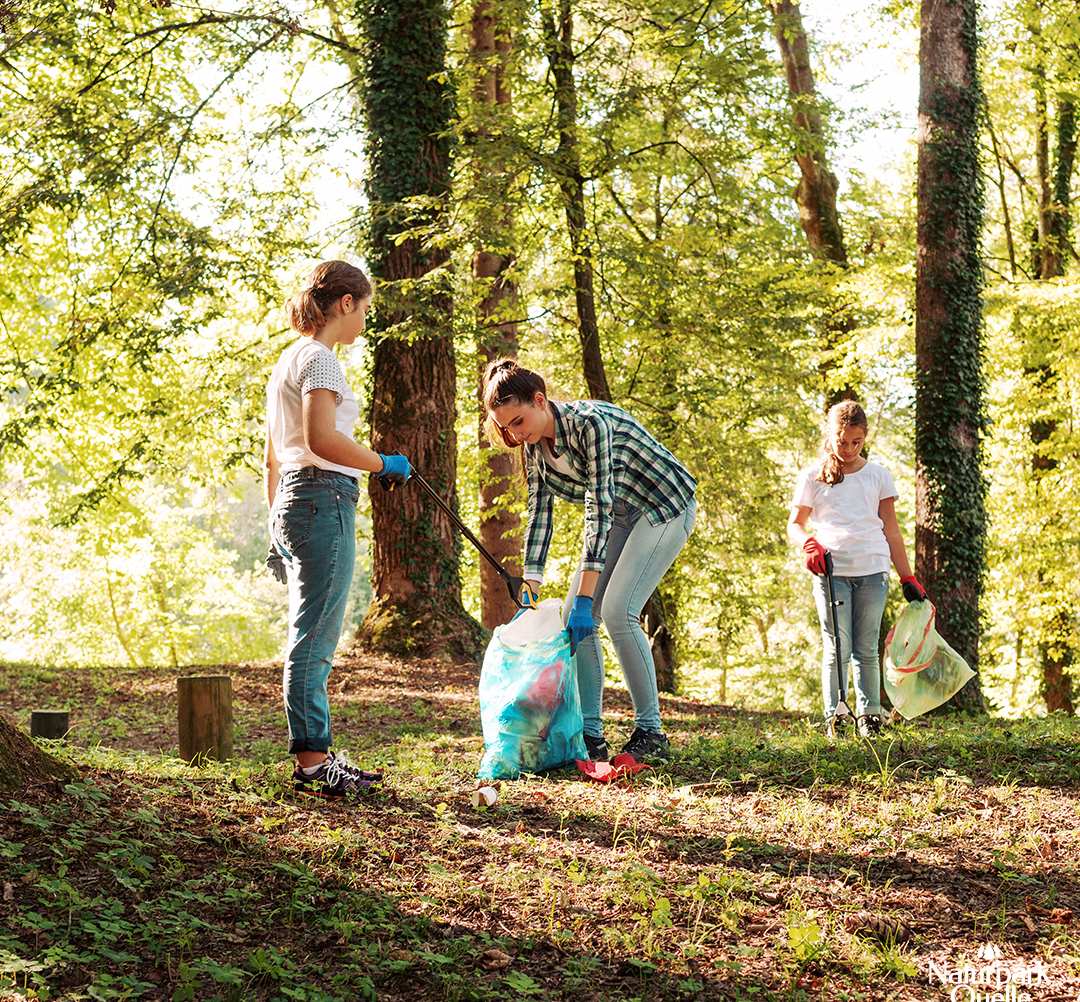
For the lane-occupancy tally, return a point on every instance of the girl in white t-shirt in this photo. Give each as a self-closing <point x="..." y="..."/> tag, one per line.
<point x="851" y="504"/>
<point x="312" y="468"/>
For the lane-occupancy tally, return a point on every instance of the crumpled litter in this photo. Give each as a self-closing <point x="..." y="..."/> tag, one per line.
<point x="621" y="766"/>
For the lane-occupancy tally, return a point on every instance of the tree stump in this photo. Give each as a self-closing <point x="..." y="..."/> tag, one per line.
<point x="204" y="716"/>
<point x="23" y="764"/>
<point x="49" y="724"/>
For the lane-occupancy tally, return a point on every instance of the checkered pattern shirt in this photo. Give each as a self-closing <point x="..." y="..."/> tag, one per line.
<point x="613" y="456"/>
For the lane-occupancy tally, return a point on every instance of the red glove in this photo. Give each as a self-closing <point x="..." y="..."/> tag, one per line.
<point x="815" y="556"/>
<point x="913" y="591"/>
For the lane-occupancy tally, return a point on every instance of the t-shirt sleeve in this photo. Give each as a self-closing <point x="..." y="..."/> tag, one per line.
<point x="888" y="486"/>
<point x="804" y="490"/>
<point x="322" y="372"/>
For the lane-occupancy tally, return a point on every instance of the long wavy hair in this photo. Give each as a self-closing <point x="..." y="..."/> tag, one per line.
<point x="841" y="416"/>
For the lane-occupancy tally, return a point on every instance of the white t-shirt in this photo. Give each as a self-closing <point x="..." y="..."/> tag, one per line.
<point x="304" y="366"/>
<point x="560" y="462"/>
<point x="845" y="517"/>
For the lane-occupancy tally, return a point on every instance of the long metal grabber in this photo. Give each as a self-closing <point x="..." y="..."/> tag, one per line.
<point x="513" y="583"/>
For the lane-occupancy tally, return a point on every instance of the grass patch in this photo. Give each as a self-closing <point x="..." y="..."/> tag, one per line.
<point x="744" y="869"/>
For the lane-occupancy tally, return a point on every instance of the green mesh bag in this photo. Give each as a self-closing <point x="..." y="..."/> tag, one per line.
<point x="921" y="670"/>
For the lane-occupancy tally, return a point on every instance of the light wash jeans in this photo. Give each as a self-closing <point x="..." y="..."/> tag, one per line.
<point x="313" y="527"/>
<point x="859" y="622"/>
<point x="638" y="555"/>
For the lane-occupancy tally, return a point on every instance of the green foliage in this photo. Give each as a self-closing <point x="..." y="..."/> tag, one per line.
<point x="138" y="309"/>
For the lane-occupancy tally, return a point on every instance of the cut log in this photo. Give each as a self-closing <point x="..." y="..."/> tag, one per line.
<point x="204" y="716"/>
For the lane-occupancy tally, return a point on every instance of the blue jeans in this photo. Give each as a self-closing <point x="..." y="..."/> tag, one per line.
<point x="313" y="527"/>
<point x="638" y="555"/>
<point x="858" y="617"/>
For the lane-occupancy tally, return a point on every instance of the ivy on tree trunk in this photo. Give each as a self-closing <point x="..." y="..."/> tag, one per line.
<point x="950" y="418"/>
<point x="416" y="590"/>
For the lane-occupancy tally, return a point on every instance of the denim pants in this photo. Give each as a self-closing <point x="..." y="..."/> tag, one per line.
<point x="638" y="555"/>
<point x="858" y="617"/>
<point x="313" y="527"/>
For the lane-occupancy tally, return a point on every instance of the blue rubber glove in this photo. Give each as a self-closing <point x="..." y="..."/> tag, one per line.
<point x="580" y="624"/>
<point x="396" y="470"/>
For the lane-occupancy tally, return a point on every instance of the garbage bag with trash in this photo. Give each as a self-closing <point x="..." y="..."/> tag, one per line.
<point x="921" y="670"/>
<point x="530" y="710"/>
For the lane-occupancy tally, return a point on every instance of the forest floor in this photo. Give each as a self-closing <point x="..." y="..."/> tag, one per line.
<point x="761" y="863"/>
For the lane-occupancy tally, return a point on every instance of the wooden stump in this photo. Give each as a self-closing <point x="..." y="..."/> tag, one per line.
<point x="49" y="724"/>
<point x="204" y="705"/>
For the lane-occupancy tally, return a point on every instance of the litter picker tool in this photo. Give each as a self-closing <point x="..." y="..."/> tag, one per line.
<point x="842" y="709"/>
<point x="513" y="584"/>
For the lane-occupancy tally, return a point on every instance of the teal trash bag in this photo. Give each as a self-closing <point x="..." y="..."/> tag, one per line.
<point x="921" y="670"/>
<point x="529" y="704"/>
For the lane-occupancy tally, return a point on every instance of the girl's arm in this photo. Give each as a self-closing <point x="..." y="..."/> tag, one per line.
<point x="322" y="437"/>
<point x="891" y="528"/>
<point x="271" y="471"/>
<point x="797" y="531"/>
<point x="599" y="501"/>
<point x="539" y="526"/>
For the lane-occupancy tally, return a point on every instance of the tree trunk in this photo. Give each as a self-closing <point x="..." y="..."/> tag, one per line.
<point x="500" y="526"/>
<point x="1005" y="216"/>
<point x="559" y="41"/>
<point x="815" y="194"/>
<point x="1055" y="654"/>
<point x="23" y="763"/>
<point x="1063" y="171"/>
<point x="1042" y="261"/>
<point x="949" y="410"/>
<point x="416" y="591"/>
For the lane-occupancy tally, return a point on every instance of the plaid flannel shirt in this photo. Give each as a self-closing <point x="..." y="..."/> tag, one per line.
<point x="613" y="456"/>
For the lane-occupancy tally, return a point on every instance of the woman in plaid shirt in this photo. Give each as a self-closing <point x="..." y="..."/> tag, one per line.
<point x="639" y="512"/>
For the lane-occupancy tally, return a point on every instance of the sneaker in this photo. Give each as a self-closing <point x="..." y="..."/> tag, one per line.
<point x="647" y="744"/>
<point x="597" y="748"/>
<point x="336" y="777"/>
<point x="869" y="725"/>
<point x="837" y="726"/>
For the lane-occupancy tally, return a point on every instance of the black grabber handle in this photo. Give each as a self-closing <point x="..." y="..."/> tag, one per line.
<point x="841" y="680"/>
<point x="513" y="584"/>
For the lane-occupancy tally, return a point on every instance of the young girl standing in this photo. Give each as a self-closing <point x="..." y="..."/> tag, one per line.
<point x="312" y="469"/>
<point x="851" y="503"/>
<point x="639" y="512"/>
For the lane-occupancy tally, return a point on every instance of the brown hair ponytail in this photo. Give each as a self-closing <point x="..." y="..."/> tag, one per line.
<point x="506" y="382"/>
<point x="844" y="415"/>
<point x="310" y="308"/>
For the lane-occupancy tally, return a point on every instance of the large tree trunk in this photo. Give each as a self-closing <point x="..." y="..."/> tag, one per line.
<point x="500" y="525"/>
<point x="559" y="42"/>
<point x="949" y="411"/>
<point x="815" y="194"/>
<point x="23" y="763"/>
<point x="416" y="591"/>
